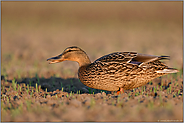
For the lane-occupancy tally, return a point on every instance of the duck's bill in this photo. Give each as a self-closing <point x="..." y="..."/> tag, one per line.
<point x="54" y="59"/>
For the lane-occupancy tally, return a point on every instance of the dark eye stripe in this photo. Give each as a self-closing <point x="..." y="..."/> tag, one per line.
<point x="69" y="51"/>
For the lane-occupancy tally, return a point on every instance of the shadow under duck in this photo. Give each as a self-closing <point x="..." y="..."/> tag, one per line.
<point x="116" y="71"/>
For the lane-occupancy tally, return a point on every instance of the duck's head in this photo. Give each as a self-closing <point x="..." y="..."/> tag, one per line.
<point x="71" y="54"/>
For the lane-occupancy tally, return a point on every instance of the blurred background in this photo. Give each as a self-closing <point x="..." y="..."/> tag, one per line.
<point x="35" y="31"/>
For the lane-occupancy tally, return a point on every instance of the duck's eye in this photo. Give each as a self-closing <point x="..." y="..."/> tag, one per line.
<point x="67" y="51"/>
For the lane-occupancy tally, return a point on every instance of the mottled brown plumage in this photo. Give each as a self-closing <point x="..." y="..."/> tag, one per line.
<point x="115" y="71"/>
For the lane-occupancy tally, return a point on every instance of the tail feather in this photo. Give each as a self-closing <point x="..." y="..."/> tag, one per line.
<point x="168" y="70"/>
<point x="164" y="57"/>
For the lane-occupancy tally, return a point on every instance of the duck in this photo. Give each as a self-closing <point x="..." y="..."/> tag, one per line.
<point x="116" y="71"/>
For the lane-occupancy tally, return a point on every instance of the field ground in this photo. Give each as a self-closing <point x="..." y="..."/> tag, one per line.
<point x="33" y="90"/>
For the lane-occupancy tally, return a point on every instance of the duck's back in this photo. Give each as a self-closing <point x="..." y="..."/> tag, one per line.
<point x="122" y="70"/>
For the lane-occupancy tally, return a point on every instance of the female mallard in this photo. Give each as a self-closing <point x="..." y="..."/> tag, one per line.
<point x="115" y="71"/>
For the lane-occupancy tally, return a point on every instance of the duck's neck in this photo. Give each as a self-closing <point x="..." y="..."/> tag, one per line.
<point x="83" y="60"/>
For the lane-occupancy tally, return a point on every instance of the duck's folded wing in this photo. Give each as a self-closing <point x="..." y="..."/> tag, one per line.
<point x="130" y="57"/>
<point x="136" y="59"/>
<point x="124" y="57"/>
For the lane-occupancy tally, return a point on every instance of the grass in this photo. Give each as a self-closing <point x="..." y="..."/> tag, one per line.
<point x="2" y="88"/>
<point x="36" y="88"/>
<point x="71" y="93"/>
<point x="170" y="88"/>
<point x="61" y="84"/>
<point x="37" y="78"/>
<point x="104" y="99"/>
<point x="147" y="94"/>
<point x="7" y="99"/>
<point x="69" y="87"/>
<point x="14" y="84"/>
<point x="3" y="97"/>
<point x="89" y="91"/>
<point x="92" y="103"/>
<point x="129" y="94"/>
<point x="154" y="90"/>
<point x="30" y="83"/>
<point x="19" y="74"/>
<point x="53" y="82"/>
<point x="19" y="88"/>
<point x="144" y="88"/>
<point x="161" y="87"/>
<point x="137" y="93"/>
<point x="174" y="95"/>
<point x="27" y="90"/>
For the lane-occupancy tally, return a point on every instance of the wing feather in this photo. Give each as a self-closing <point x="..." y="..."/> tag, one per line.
<point x="130" y="57"/>
<point x="124" y="57"/>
